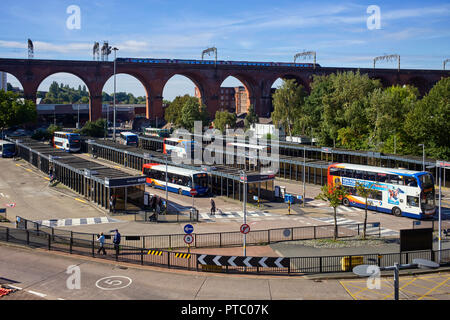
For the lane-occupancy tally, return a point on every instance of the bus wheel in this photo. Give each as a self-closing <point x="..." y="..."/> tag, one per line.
<point x="397" y="212"/>
<point x="346" y="202"/>
<point x="180" y="191"/>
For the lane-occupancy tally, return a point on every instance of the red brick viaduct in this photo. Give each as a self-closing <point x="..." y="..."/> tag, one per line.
<point x="258" y="80"/>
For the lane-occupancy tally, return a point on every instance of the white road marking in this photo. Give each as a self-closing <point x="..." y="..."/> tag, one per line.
<point x="37" y="293"/>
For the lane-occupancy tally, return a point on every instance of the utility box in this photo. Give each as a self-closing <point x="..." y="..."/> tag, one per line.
<point x="355" y="260"/>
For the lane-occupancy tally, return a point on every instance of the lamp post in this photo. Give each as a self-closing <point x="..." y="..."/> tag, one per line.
<point x="423" y="156"/>
<point x="114" y="97"/>
<point x="244" y="205"/>
<point x="304" y="175"/>
<point x="167" y="189"/>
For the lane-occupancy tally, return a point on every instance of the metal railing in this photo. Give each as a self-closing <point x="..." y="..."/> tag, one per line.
<point x="86" y="245"/>
<point x="221" y="239"/>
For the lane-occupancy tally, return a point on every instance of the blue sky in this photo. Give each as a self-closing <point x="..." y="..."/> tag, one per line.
<point x="241" y="30"/>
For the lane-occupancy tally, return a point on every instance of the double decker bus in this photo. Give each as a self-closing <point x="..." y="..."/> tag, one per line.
<point x="157" y="132"/>
<point x="179" y="180"/>
<point x="68" y="141"/>
<point x="7" y="149"/>
<point x="128" y="138"/>
<point x="400" y="192"/>
<point x="181" y="147"/>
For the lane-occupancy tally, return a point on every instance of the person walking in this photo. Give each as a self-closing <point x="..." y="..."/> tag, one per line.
<point x="213" y="207"/>
<point x="101" y="240"/>
<point x="112" y="204"/>
<point x="116" y="241"/>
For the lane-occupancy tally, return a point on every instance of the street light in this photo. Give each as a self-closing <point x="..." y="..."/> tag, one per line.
<point x="423" y="156"/>
<point x="244" y="201"/>
<point x="304" y="175"/>
<point x="364" y="270"/>
<point x="114" y="99"/>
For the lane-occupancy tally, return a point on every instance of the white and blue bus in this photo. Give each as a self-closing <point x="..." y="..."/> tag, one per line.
<point x="68" y="141"/>
<point x="128" y="138"/>
<point x="181" y="147"/>
<point x="400" y="192"/>
<point x="179" y="180"/>
<point x="7" y="149"/>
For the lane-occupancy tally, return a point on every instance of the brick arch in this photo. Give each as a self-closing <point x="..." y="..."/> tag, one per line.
<point x="248" y="85"/>
<point x="198" y="80"/>
<point x="15" y="76"/>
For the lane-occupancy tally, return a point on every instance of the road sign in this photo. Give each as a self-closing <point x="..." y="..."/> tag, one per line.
<point x="11" y="205"/>
<point x="255" y="198"/>
<point x="193" y="192"/>
<point x="189" y="228"/>
<point x="236" y="261"/>
<point x="245" y="228"/>
<point x="188" y="239"/>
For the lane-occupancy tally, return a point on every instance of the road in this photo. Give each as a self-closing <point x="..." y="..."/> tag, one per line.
<point x="44" y="274"/>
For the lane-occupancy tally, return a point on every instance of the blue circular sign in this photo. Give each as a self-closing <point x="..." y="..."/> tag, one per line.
<point x="188" y="228"/>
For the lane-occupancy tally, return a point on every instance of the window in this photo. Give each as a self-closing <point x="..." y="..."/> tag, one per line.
<point x="377" y="195"/>
<point x="412" y="201"/>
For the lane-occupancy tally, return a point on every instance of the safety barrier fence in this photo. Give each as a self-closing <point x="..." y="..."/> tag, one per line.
<point x="88" y="246"/>
<point x="221" y="239"/>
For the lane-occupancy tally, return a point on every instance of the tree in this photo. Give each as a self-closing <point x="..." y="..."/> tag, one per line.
<point x="251" y="117"/>
<point x="333" y="195"/>
<point x="192" y="112"/>
<point x="173" y="112"/>
<point x="95" y="128"/>
<point x="364" y="192"/>
<point x="224" y="120"/>
<point x="386" y="110"/>
<point x="429" y="122"/>
<point x="288" y="102"/>
<point x="14" y="111"/>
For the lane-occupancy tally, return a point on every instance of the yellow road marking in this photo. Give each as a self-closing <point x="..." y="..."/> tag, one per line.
<point x="29" y="170"/>
<point x="407" y="284"/>
<point x="47" y="178"/>
<point x="430" y="291"/>
<point x="348" y="291"/>
<point x="80" y="200"/>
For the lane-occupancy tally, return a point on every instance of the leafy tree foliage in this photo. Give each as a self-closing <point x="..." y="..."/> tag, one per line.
<point x="333" y="195"/>
<point x="15" y="111"/>
<point x="224" y="120"/>
<point x="429" y="122"/>
<point x="288" y="103"/>
<point x="94" y="128"/>
<point x="251" y="117"/>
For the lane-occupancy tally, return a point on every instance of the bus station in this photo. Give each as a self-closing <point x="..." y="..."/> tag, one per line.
<point x="90" y="179"/>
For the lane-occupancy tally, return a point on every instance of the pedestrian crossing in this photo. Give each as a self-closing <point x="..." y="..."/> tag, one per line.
<point x="325" y="205"/>
<point x="75" y="222"/>
<point x="353" y="225"/>
<point x="235" y="215"/>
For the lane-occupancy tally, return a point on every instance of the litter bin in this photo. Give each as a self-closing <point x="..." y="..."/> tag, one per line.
<point x="355" y="260"/>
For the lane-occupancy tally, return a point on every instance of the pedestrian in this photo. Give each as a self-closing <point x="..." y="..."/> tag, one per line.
<point x="160" y="204"/>
<point x="213" y="207"/>
<point x="153" y="203"/>
<point x="116" y="241"/>
<point x="101" y="240"/>
<point x="112" y="204"/>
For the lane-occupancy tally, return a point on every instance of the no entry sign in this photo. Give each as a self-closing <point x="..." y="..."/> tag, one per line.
<point x="245" y="228"/>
